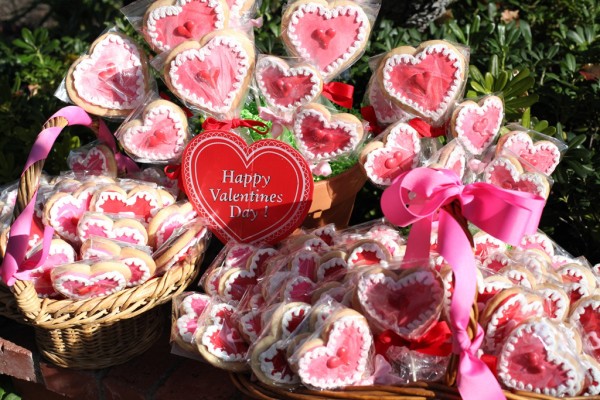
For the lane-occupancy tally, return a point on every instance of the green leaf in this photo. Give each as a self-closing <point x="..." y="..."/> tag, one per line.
<point x="501" y="81"/>
<point x="541" y="126"/>
<point x="526" y="32"/>
<point x="475" y="73"/>
<point x="457" y="31"/>
<point x="27" y="36"/>
<point x="526" y="118"/>
<point x="522" y="102"/>
<point x="576" y="37"/>
<point x="494" y="66"/>
<point x="571" y="62"/>
<point x="489" y="82"/>
<point x="577" y="141"/>
<point x="518" y="88"/>
<point x="478" y="87"/>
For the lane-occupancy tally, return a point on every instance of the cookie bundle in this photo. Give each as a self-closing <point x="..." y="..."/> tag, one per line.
<point x="109" y="234"/>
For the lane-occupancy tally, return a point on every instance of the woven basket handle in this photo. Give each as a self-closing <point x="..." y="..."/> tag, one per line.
<point x="29" y="183"/>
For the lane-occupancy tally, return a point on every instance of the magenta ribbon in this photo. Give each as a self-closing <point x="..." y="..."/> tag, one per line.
<point x="19" y="232"/>
<point x="124" y="163"/>
<point x="417" y="197"/>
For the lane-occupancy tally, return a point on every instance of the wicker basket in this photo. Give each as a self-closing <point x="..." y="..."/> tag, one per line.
<point x="98" y="332"/>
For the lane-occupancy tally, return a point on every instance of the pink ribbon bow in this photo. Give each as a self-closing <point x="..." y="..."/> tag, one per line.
<point x="418" y="196"/>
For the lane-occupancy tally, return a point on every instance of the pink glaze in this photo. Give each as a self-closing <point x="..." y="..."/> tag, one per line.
<point x="542" y="156"/>
<point x="276" y="367"/>
<point x="238" y="255"/>
<point x="486" y="244"/>
<point x="477" y="126"/>
<point x="286" y="90"/>
<point x="165" y="231"/>
<point x="65" y="216"/>
<point x="89" y="288"/>
<point x="293" y="318"/>
<point x="589" y="321"/>
<point x="305" y="263"/>
<point x="257" y="262"/>
<point x="206" y="77"/>
<point x="227" y="338"/>
<point x="322" y="139"/>
<point x="506" y="176"/>
<point x="251" y="324"/>
<point x="112" y="76"/>
<point x="328" y="41"/>
<point x="386" y="111"/>
<point x="299" y="289"/>
<point x="140" y="272"/>
<point x="192" y="20"/>
<point x="395" y="304"/>
<point x="238" y="284"/>
<point x="332" y="269"/>
<point x="342" y="360"/>
<point x="141" y="205"/>
<point x="93" y="160"/>
<point x="425" y="83"/>
<point x="161" y="137"/>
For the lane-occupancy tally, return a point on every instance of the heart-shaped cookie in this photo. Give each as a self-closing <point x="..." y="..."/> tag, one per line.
<point x="298" y="289"/>
<point x="141" y="201"/>
<point x="305" y="263"/>
<point x="507" y="173"/>
<point x="189" y="310"/>
<point x="585" y="315"/>
<point x="98" y="160"/>
<point x="453" y="157"/>
<point x="425" y="81"/>
<point x="330" y="35"/>
<point x="398" y="152"/>
<point x="168" y="23"/>
<point x="367" y="252"/>
<point x="125" y="230"/>
<point x="213" y="74"/>
<point x="477" y="124"/>
<point x="537" y="241"/>
<point x="82" y="281"/>
<point x="235" y="282"/>
<point x="340" y="357"/>
<point x="112" y="80"/>
<point x="556" y="301"/>
<point x="542" y="156"/>
<point x="159" y="135"/>
<point x="239" y="8"/>
<point x="386" y="111"/>
<point x="486" y="244"/>
<point x="322" y="136"/>
<point x="532" y="359"/>
<point x="287" y="88"/>
<point x="167" y="220"/>
<point x="184" y="245"/>
<point x="408" y="303"/>
<point x="62" y="211"/>
<point x="504" y="312"/>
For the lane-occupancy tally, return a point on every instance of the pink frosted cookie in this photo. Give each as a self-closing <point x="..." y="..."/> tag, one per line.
<point x="219" y="340"/>
<point x="533" y="359"/>
<point x="330" y="35"/>
<point x="112" y="80"/>
<point x="159" y="135"/>
<point x="82" y="281"/>
<point x="62" y="211"/>
<point x="504" y="312"/>
<point x="305" y="263"/>
<point x="579" y="280"/>
<point x="508" y="173"/>
<point x="189" y="310"/>
<point x="287" y="88"/>
<point x="476" y="125"/>
<point x="486" y="244"/>
<point x="537" y="241"/>
<point x="386" y="111"/>
<point x="298" y="288"/>
<point x="98" y="159"/>
<point x="340" y="356"/>
<point x="453" y="157"/>
<point x="213" y="74"/>
<point x="556" y="301"/>
<point x="491" y="286"/>
<point x="59" y="253"/>
<point x="398" y="152"/>
<point x="168" y="220"/>
<point x="140" y="202"/>
<point x="367" y="252"/>
<point x="332" y="266"/>
<point x="425" y="81"/>
<point x="168" y="23"/>
<point x="185" y="247"/>
<point x="321" y="135"/>
<point x="585" y="315"/>
<point x="125" y="230"/>
<point x="542" y="156"/>
<point x="409" y="302"/>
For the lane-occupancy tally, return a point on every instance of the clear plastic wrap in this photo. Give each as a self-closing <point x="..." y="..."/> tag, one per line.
<point x="330" y="35"/>
<point x="115" y="227"/>
<point x="111" y="80"/>
<point x="155" y="133"/>
<point x="186" y="309"/>
<point x="185" y="245"/>
<point x="94" y="158"/>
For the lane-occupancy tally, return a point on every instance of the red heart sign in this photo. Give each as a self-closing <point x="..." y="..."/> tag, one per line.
<point x="249" y="194"/>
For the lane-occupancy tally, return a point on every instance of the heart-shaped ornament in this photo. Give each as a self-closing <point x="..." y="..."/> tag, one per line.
<point x="408" y="304"/>
<point x="287" y="88"/>
<point x="322" y="136"/>
<point x="112" y="80"/>
<point x="169" y="23"/>
<point x="507" y="173"/>
<point x="542" y="156"/>
<point x="98" y="160"/>
<point x="476" y="125"/>
<point x="213" y="74"/>
<point x="533" y="359"/>
<point x="341" y="357"/>
<point x="331" y="36"/>
<point x="399" y="152"/>
<point x="160" y="135"/>
<point x="425" y="81"/>
<point x="82" y="281"/>
<point x="247" y="194"/>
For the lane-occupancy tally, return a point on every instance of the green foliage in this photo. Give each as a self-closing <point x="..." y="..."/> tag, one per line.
<point x="6" y="389"/>
<point x="533" y="62"/>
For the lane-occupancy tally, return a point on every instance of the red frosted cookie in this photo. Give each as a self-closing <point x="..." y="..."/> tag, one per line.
<point x="82" y="281"/>
<point x="112" y="79"/>
<point x="168" y="23"/>
<point x="476" y="125"/>
<point x="508" y="173"/>
<point x="330" y="35"/>
<point x="98" y="159"/>
<point x="542" y="156"/>
<point x="125" y="230"/>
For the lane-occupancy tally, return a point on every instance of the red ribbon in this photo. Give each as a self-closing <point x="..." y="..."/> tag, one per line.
<point x="426" y="130"/>
<point x="173" y="172"/>
<point x="436" y="342"/>
<point x="339" y="93"/>
<point x="214" y="124"/>
<point x="368" y="114"/>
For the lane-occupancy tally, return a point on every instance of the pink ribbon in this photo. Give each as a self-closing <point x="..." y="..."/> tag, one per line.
<point x="419" y="195"/>
<point x="124" y="163"/>
<point x="277" y="123"/>
<point x="21" y="228"/>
